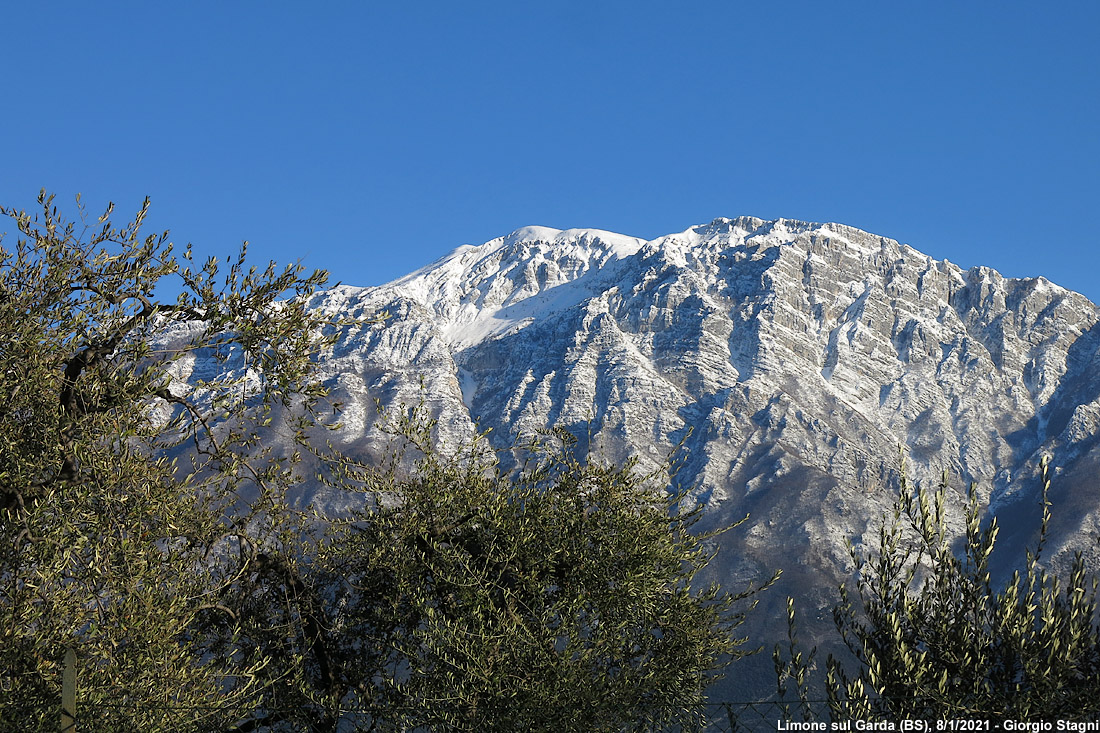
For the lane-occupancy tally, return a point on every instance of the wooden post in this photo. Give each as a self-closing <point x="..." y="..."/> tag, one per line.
<point x="68" y="693"/>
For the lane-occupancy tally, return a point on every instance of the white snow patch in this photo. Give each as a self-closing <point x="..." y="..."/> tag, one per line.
<point x="831" y="231"/>
<point x="468" y="385"/>
<point x="532" y="234"/>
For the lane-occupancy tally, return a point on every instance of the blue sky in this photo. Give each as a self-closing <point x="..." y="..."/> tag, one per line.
<point x="371" y="138"/>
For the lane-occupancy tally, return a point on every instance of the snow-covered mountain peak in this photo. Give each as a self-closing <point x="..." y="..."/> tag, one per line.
<point x="581" y="243"/>
<point x="531" y="234"/>
<point x="596" y="239"/>
<point x="483" y="291"/>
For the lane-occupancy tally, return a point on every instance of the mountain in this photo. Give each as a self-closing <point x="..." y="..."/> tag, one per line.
<point x="791" y="360"/>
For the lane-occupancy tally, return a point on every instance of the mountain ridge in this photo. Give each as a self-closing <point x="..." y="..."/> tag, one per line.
<point x="825" y="304"/>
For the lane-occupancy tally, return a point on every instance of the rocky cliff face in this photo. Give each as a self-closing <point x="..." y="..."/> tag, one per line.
<point x="790" y="359"/>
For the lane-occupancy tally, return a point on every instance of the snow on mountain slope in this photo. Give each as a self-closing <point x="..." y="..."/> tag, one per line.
<point x="503" y="285"/>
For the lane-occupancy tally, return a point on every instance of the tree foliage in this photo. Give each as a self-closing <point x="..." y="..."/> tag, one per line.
<point x="557" y="596"/>
<point x="936" y="637"/>
<point x="107" y="545"/>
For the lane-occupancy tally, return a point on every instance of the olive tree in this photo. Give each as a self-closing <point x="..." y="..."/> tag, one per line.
<point x="137" y="504"/>
<point x="935" y="636"/>
<point x="554" y="596"/>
